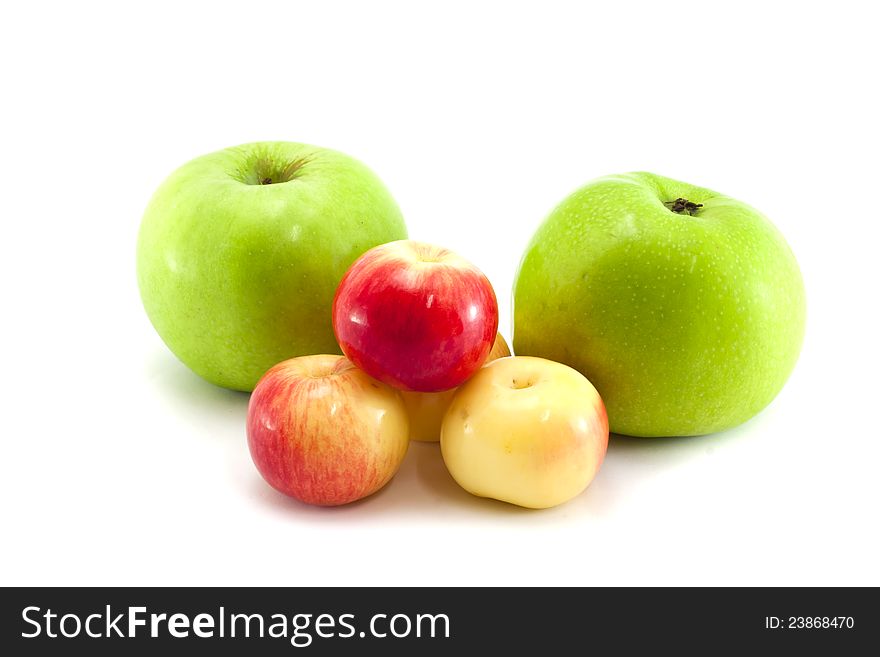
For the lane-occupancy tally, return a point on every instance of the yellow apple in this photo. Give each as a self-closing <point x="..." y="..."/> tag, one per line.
<point x="524" y="430"/>
<point x="426" y="409"/>
<point x="499" y="349"/>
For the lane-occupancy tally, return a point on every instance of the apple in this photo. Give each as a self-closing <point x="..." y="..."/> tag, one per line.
<point x="426" y="409"/>
<point x="415" y="316"/>
<point x="683" y="306"/>
<point x="525" y="430"/>
<point x="499" y="349"/>
<point x="240" y="252"/>
<point x="322" y="431"/>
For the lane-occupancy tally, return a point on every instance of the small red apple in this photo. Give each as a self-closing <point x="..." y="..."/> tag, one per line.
<point x="324" y="432"/>
<point x="415" y="316"/>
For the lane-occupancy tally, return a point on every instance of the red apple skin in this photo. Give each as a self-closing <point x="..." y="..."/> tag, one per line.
<point x="415" y="316"/>
<point x="322" y="431"/>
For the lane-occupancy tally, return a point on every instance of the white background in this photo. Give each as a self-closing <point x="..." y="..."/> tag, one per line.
<point x="119" y="466"/>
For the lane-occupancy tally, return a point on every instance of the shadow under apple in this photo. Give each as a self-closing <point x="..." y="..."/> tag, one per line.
<point x="188" y="392"/>
<point x="675" y="448"/>
<point x="632" y="462"/>
<point x="422" y="487"/>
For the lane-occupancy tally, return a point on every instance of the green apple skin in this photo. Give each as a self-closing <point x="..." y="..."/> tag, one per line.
<point x="686" y="324"/>
<point x="240" y="252"/>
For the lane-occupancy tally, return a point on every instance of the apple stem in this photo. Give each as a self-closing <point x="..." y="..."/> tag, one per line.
<point x="265" y="181"/>
<point x="683" y="206"/>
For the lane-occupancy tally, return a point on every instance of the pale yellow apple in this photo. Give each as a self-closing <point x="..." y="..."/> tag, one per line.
<point x="525" y="430"/>
<point x="426" y="409"/>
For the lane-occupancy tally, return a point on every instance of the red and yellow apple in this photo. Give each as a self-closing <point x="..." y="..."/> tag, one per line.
<point x="415" y="316"/>
<point x="426" y="409"/>
<point x="525" y="430"/>
<point x="324" y="432"/>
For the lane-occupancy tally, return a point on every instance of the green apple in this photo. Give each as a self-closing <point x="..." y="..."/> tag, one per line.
<point x="684" y="307"/>
<point x="240" y="252"/>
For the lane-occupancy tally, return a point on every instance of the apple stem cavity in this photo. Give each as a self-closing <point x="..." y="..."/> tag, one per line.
<point x="266" y="171"/>
<point x="683" y="206"/>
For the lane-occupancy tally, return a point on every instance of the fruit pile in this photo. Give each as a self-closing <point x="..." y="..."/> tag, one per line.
<point x="259" y="264"/>
<point x="416" y="322"/>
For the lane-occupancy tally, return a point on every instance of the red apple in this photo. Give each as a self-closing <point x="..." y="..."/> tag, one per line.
<point x="415" y="316"/>
<point x="324" y="432"/>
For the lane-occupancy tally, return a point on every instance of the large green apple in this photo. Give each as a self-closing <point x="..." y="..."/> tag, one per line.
<point x="240" y="253"/>
<point x="684" y="307"/>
